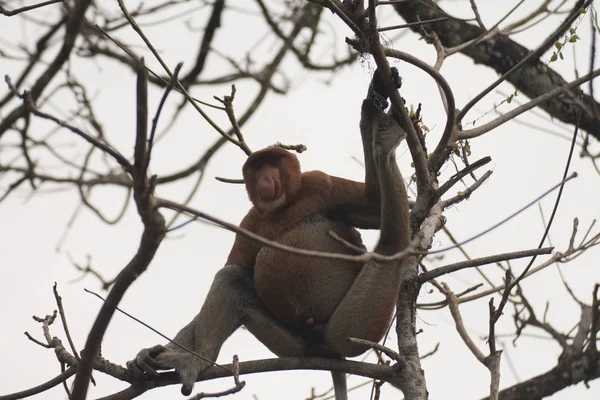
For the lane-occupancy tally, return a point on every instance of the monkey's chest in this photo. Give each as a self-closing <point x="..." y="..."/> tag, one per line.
<point x="295" y="288"/>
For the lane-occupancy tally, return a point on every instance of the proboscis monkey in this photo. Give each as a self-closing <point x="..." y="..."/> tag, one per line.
<point x="296" y="305"/>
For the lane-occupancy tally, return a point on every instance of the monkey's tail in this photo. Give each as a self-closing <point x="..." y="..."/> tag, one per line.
<point x="339" y="385"/>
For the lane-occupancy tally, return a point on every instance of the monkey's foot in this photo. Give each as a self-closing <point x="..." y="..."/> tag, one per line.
<point x="378" y="91"/>
<point x="187" y="365"/>
<point x="160" y="358"/>
<point x="145" y="362"/>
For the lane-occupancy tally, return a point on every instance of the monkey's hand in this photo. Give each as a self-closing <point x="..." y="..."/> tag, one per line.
<point x="149" y="361"/>
<point x="378" y="91"/>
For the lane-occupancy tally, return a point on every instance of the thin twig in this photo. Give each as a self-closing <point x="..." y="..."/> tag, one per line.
<point x="361" y="258"/>
<point x="159" y="333"/>
<point x="476" y="262"/>
<point x="513" y="215"/>
<point x="10" y="13"/>
<point x="57" y="380"/>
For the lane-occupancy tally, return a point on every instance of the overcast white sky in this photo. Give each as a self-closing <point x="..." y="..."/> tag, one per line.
<point x="324" y="117"/>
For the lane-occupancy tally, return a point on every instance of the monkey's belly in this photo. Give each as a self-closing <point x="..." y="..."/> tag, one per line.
<point x="298" y="288"/>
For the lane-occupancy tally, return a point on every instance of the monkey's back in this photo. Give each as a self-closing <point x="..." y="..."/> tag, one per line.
<point x="298" y="288"/>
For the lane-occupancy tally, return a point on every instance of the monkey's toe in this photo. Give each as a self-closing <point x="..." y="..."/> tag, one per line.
<point x="145" y="362"/>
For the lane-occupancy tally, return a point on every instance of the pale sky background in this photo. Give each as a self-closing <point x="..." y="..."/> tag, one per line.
<point x="324" y="117"/>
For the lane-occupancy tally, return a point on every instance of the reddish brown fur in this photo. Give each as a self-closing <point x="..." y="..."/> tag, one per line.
<point x="296" y="288"/>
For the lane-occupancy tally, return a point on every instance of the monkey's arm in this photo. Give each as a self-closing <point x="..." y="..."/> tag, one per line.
<point x="244" y="251"/>
<point x="366" y="214"/>
<point x="348" y="201"/>
<point x="362" y="216"/>
<point x="341" y="199"/>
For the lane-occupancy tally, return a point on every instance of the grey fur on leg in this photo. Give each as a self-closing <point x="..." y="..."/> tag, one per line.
<point x="231" y="302"/>
<point x="219" y="317"/>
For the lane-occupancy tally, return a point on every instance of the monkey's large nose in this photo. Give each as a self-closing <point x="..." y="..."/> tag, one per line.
<point x="265" y="188"/>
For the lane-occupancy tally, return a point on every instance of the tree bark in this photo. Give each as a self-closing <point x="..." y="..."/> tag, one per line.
<point x="502" y="53"/>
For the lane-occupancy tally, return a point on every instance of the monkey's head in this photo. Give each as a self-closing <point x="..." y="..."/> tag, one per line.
<point x="272" y="177"/>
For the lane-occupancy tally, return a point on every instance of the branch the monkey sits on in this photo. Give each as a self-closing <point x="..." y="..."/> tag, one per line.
<point x="296" y="305"/>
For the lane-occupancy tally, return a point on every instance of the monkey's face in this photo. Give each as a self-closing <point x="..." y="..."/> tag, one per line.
<point x="269" y="193"/>
<point x="272" y="178"/>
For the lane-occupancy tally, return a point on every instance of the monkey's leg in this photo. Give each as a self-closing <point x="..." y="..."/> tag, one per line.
<point x="367" y="216"/>
<point x="367" y="308"/>
<point x="368" y="113"/>
<point x="236" y="292"/>
<point x="230" y="303"/>
<point x="373" y="107"/>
